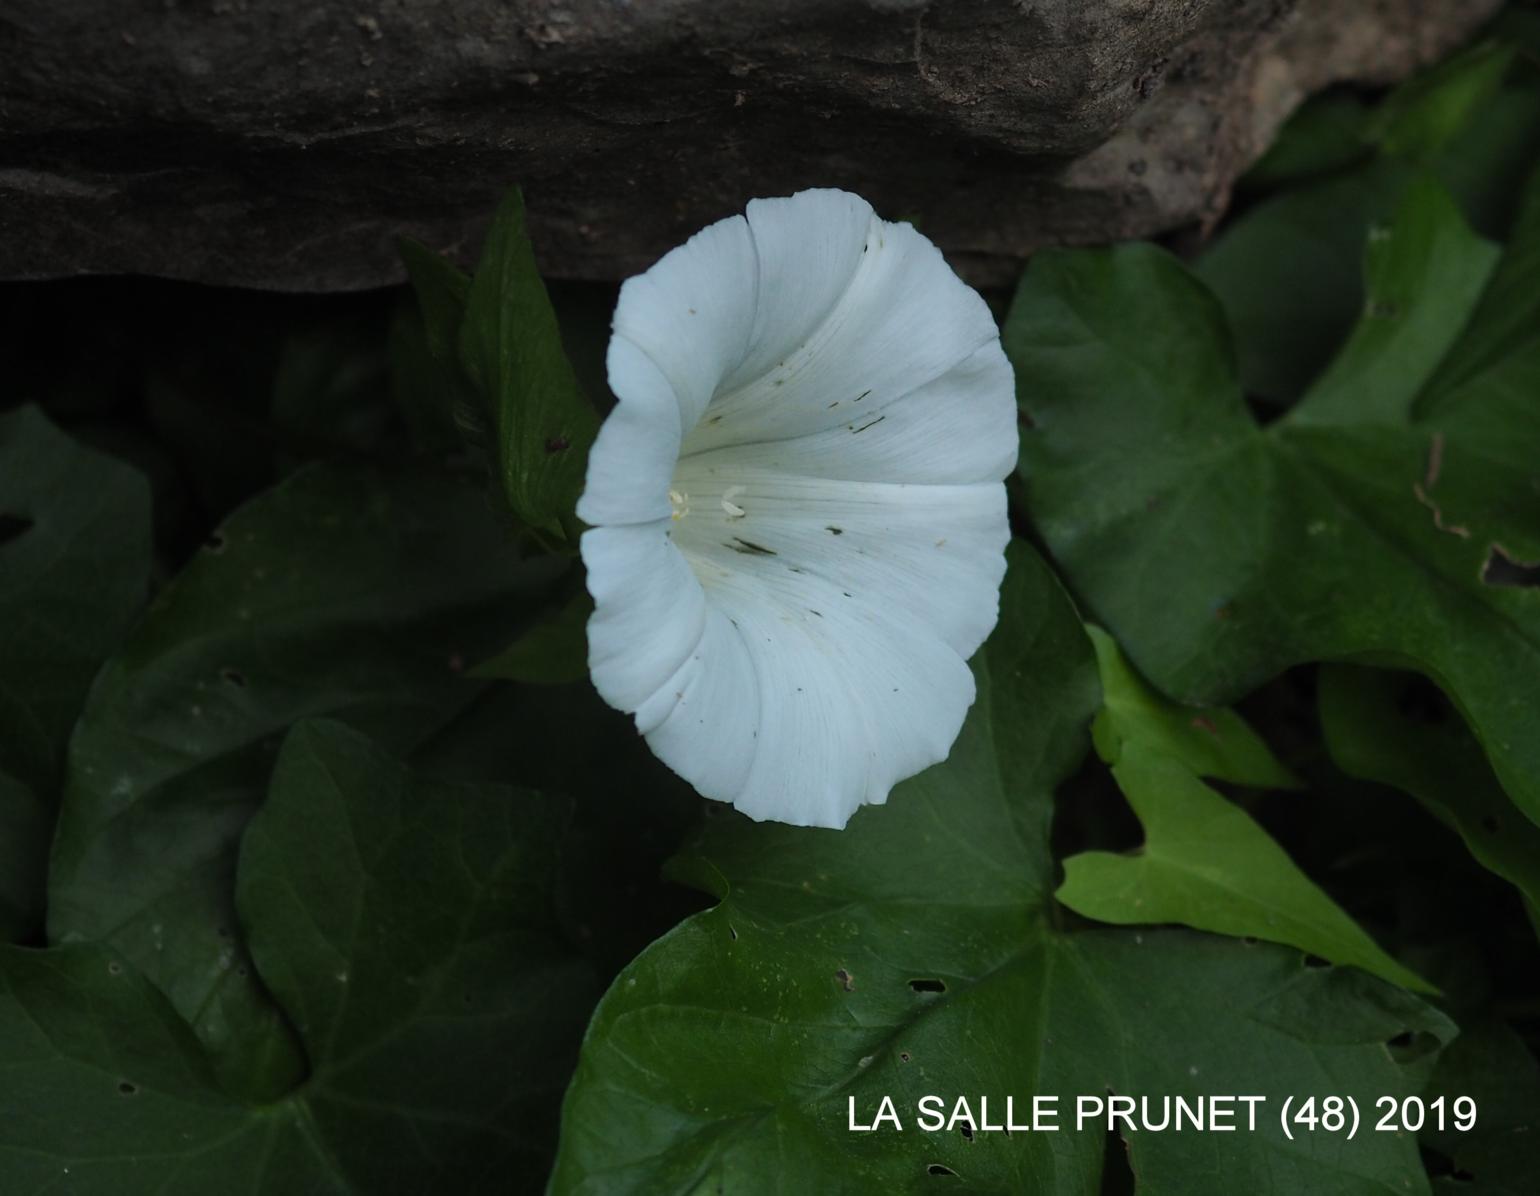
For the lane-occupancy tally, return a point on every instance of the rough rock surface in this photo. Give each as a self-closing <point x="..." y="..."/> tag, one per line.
<point x="286" y="143"/>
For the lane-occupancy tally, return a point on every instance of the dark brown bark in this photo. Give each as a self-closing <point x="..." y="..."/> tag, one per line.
<point x="286" y="143"/>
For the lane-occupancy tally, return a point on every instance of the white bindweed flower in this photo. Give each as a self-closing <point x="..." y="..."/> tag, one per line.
<point x="797" y="508"/>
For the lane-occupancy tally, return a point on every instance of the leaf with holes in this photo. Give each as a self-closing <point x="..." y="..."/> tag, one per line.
<point x="343" y="592"/>
<point x="914" y="953"/>
<point x="1363" y="525"/>
<point x="405" y="927"/>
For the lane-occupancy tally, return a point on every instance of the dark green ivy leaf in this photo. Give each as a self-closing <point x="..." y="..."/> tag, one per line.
<point x="1494" y="1067"/>
<point x="1286" y="268"/>
<point x="511" y="348"/>
<point x="1365" y="525"/>
<point x="916" y="952"/>
<point x="75" y="555"/>
<point x="1381" y="726"/>
<point x="341" y="592"/>
<point x="406" y="928"/>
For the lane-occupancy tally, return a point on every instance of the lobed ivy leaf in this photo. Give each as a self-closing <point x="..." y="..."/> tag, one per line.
<point x="1204" y="862"/>
<point x="1363" y="526"/>
<point x="75" y="554"/>
<point x="1380" y="726"/>
<point x="343" y="592"/>
<point x="1211" y="741"/>
<point x="406" y="928"/>
<point x="916" y="952"/>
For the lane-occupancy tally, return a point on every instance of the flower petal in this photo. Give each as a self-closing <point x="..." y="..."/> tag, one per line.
<point x="800" y="521"/>
<point x="693" y="313"/>
<point x="935" y="553"/>
<point x="633" y="458"/>
<point x="843" y="715"/>
<point x="649" y="611"/>
<point x="903" y="320"/>
<point x="959" y="428"/>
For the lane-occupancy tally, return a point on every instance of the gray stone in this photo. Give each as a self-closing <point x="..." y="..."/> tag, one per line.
<point x="287" y="143"/>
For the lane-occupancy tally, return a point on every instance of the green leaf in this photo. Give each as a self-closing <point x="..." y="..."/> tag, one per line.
<point x="1508" y="316"/>
<point x="1211" y="741"/>
<point x="1206" y="864"/>
<point x="914" y="953"/>
<point x="1496" y="1157"/>
<point x="511" y="349"/>
<point x="1287" y="273"/>
<point x="1325" y="134"/>
<point x="75" y="556"/>
<point x="1220" y="553"/>
<point x="341" y="592"/>
<point x="553" y="651"/>
<point x="406" y="927"/>
<point x="1380" y="727"/>
<point x="1423" y="274"/>
<point x="442" y="292"/>
<point x="1286" y="267"/>
<point x="1431" y="108"/>
<point x="420" y="380"/>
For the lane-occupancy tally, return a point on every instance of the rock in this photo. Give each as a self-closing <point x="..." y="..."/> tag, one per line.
<point x="287" y="143"/>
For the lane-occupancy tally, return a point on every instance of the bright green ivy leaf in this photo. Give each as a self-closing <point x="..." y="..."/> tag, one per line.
<point x="915" y="952"/>
<point x="1206" y="864"/>
<point x="75" y="558"/>
<point x="341" y="592"/>
<point x="1212" y="741"/>
<point x="406" y="928"/>
<point x="1422" y="274"/>
<point x="1379" y="728"/>
<point x="1220" y="553"/>
<point x="511" y="348"/>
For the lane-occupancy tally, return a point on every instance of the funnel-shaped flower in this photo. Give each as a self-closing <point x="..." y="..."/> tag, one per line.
<point x="799" y="521"/>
